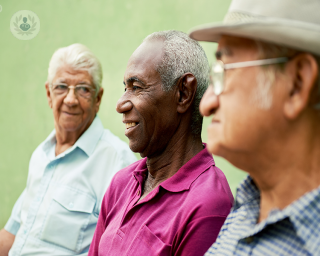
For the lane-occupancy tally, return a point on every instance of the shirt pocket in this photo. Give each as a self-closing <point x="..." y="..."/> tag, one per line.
<point x="147" y="243"/>
<point x="67" y="218"/>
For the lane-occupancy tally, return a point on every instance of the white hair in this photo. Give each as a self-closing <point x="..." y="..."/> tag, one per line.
<point x="78" y="57"/>
<point x="181" y="55"/>
<point x="267" y="75"/>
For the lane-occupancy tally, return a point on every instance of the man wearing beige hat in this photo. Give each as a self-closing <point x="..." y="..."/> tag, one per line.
<point x="264" y="99"/>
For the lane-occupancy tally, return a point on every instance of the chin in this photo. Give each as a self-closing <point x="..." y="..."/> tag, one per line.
<point x="138" y="147"/>
<point x="134" y="146"/>
<point x="214" y="146"/>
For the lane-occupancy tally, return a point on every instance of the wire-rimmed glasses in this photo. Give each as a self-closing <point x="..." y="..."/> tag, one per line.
<point x="218" y="70"/>
<point x="82" y="90"/>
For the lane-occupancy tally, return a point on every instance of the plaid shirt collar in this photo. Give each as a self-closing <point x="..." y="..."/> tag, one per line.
<point x="302" y="213"/>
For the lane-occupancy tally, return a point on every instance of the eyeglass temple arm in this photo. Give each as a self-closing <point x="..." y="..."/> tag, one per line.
<point x="255" y="63"/>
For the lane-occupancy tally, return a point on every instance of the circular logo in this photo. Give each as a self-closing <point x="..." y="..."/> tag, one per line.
<point x="25" y="25"/>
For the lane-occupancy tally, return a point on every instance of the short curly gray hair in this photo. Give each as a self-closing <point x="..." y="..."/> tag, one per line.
<point x="79" y="57"/>
<point x="181" y="55"/>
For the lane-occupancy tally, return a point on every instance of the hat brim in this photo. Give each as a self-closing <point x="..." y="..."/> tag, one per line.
<point x="296" y="35"/>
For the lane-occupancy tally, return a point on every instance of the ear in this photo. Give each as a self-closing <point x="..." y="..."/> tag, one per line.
<point x="49" y="96"/>
<point x="303" y="70"/>
<point x="186" y="90"/>
<point x="98" y="99"/>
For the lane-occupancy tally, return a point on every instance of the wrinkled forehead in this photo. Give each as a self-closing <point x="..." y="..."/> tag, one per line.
<point x="236" y="47"/>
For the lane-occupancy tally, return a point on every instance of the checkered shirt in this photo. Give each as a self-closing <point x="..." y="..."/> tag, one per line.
<point x="294" y="230"/>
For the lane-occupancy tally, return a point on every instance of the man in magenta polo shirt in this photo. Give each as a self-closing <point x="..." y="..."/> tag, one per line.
<point x="174" y="200"/>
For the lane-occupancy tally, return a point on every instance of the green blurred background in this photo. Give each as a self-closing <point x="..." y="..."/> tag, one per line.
<point x="112" y="29"/>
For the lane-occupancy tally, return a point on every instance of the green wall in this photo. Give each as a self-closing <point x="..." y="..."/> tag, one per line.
<point x="112" y="29"/>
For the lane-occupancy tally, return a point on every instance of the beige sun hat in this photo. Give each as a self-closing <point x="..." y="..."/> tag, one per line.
<point x="292" y="23"/>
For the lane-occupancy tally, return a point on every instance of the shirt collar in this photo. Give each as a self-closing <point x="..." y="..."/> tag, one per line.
<point x="302" y="213"/>
<point x="189" y="172"/>
<point x="87" y="141"/>
<point x="247" y="192"/>
<point x="185" y="176"/>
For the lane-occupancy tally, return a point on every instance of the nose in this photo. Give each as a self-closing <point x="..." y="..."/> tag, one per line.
<point x="209" y="102"/>
<point x="124" y="104"/>
<point x="71" y="98"/>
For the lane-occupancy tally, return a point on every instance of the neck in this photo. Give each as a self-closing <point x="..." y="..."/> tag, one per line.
<point x="283" y="182"/>
<point x="285" y="168"/>
<point x="66" y="139"/>
<point x="178" y="152"/>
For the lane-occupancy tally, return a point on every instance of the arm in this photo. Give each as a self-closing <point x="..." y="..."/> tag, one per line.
<point x="6" y="241"/>
<point x="198" y="236"/>
<point x="7" y="235"/>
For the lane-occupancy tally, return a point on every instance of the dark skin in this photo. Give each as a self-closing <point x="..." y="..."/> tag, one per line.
<point x="160" y="121"/>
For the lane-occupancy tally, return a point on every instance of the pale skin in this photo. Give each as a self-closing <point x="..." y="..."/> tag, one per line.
<point x="279" y="147"/>
<point x="72" y="117"/>
<point x="6" y="241"/>
<point x="166" y="140"/>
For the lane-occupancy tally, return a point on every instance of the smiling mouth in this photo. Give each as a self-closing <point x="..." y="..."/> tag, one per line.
<point x="129" y="125"/>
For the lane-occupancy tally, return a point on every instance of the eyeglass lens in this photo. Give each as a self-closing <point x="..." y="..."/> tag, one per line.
<point x="81" y="90"/>
<point x="217" y="77"/>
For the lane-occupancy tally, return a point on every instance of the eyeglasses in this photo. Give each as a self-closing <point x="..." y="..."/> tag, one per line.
<point x="219" y="68"/>
<point x="81" y="90"/>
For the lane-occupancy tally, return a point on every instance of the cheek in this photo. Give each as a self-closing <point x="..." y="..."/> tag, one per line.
<point x="56" y="104"/>
<point x="87" y="107"/>
<point x="237" y="121"/>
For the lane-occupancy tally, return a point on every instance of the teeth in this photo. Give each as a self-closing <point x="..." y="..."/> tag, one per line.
<point x="128" y="125"/>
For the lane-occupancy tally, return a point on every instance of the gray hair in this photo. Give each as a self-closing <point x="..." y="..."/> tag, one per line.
<point x="181" y="55"/>
<point x="78" y="57"/>
<point x="267" y="75"/>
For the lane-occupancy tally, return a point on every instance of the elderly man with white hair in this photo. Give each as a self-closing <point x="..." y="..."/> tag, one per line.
<point x="70" y="171"/>
<point x="264" y="98"/>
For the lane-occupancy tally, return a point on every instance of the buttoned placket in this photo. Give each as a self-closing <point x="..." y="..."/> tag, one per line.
<point x="133" y="206"/>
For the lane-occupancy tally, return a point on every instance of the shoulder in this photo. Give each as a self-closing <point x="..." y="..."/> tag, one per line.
<point x="124" y="176"/>
<point x="212" y="192"/>
<point x="120" y="149"/>
<point x="39" y="153"/>
<point x="120" y="183"/>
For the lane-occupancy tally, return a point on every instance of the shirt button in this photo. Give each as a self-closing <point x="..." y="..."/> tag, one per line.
<point x="71" y="205"/>
<point x="249" y="239"/>
<point x="138" y="193"/>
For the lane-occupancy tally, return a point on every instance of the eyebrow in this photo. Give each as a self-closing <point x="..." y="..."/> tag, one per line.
<point x="222" y="52"/>
<point x="133" y="79"/>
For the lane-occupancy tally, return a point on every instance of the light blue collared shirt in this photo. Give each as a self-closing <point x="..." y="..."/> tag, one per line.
<point x="57" y="212"/>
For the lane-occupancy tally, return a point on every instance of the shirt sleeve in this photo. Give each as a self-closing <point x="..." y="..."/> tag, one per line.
<point x="13" y="224"/>
<point x="198" y="236"/>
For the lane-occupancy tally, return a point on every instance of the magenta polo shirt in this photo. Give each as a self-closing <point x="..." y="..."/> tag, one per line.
<point x="182" y="216"/>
